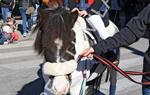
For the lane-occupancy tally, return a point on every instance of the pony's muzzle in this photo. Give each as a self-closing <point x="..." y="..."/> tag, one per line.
<point x="61" y="85"/>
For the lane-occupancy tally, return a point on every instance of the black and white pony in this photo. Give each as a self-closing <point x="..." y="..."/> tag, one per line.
<point x="61" y="36"/>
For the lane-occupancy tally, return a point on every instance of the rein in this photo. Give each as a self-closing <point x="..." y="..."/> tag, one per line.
<point x="126" y="74"/>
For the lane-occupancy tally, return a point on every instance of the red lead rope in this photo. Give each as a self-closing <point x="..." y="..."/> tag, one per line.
<point x="124" y="73"/>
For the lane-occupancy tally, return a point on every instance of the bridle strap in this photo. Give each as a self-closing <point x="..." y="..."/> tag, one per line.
<point x="126" y="74"/>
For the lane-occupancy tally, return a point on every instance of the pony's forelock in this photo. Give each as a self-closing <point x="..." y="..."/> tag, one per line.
<point x="54" y="24"/>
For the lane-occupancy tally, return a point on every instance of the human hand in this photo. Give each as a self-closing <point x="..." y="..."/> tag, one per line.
<point x="75" y="9"/>
<point x="83" y="13"/>
<point x="87" y="52"/>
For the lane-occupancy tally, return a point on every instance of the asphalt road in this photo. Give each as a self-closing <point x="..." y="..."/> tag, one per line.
<point x="20" y="72"/>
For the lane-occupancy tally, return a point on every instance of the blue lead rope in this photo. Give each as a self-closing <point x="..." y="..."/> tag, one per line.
<point x="84" y="83"/>
<point x="83" y="86"/>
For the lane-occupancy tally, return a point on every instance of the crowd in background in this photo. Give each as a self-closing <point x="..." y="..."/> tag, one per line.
<point x="28" y="11"/>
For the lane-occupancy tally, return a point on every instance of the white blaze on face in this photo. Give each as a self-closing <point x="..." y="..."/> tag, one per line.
<point x="59" y="44"/>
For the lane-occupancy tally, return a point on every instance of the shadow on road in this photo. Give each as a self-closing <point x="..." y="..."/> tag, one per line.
<point x="135" y="51"/>
<point x="33" y="88"/>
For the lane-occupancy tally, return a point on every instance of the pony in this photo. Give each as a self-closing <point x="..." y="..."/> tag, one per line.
<point x="61" y="36"/>
<point x="54" y="38"/>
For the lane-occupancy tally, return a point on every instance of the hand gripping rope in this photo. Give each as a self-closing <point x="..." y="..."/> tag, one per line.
<point x="126" y="74"/>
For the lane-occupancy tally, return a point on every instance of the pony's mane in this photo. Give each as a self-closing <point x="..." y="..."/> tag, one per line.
<point x="53" y="24"/>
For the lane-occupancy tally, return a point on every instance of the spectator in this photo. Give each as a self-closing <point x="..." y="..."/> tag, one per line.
<point x="34" y="15"/>
<point x="23" y="4"/>
<point x="7" y="30"/>
<point x="1" y="37"/>
<point x="32" y="18"/>
<point x="31" y="13"/>
<point x="26" y="15"/>
<point x="6" y="8"/>
<point x="13" y="25"/>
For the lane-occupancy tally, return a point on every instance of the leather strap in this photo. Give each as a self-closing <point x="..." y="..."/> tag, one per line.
<point x="124" y="73"/>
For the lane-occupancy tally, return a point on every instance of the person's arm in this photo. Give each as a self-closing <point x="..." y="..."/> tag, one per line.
<point x="133" y="31"/>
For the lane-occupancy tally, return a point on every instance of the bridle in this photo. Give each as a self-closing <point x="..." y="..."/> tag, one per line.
<point x="69" y="52"/>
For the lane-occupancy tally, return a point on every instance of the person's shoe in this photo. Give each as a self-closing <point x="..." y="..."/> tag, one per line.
<point x="29" y="32"/>
<point x="24" y="34"/>
<point x="6" y="43"/>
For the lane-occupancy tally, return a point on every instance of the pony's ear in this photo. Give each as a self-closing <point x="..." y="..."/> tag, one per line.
<point x="74" y="17"/>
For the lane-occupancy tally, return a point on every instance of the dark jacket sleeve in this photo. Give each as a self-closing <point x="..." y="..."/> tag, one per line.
<point x="133" y="31"/>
